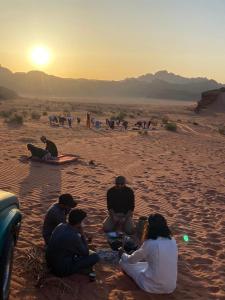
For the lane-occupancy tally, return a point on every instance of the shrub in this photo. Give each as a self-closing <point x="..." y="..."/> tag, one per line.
<point x="171" y="126"/>
<point x="120" y="116"/>
<point x="222" y="130"/>
<point x="195" y="123"/>
<point x="6" y="114"/>
<point x="165" y="119"/>
<point x="45" y="113"/>
<point x="15" y="120"/>
<point x="35" y="115"/>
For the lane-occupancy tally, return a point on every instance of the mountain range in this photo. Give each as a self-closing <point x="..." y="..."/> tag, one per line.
<point x="162" y="85"/>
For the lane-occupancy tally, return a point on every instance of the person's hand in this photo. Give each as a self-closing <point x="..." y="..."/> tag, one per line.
<point x="121" y="251"/>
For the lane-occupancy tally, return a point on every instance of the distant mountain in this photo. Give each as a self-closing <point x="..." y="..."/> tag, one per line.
<point x="159" y="85"/>
<point x="7" y="93"/>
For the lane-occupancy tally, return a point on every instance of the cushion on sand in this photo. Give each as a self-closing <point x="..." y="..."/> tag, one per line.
<point x="60" y="160"/>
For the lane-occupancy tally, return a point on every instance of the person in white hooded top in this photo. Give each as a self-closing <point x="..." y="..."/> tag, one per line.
<point x="154" y="265"/>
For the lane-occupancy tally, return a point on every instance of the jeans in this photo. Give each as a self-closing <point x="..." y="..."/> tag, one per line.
<point x="67" y="268"/>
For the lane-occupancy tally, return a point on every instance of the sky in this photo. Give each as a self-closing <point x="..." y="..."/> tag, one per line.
<point x="115" y="39"/>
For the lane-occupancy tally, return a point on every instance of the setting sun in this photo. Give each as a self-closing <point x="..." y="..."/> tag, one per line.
<point x="40" y="56"/>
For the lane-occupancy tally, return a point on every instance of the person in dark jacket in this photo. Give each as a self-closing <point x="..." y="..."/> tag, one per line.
<point x="120" y="204"/>
<point x="57" y="214"/>
<point x="68" y="252"/>
<point x="38" y="152"/>
<point x="50" y="147"/>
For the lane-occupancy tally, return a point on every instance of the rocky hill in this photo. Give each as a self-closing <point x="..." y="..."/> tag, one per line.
<point x="162" y="85"/>
<point x="213" y="100"/>
<point x="6" y="93"/>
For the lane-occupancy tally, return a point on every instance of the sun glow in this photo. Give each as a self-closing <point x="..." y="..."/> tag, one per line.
<point x="40" y="56"/>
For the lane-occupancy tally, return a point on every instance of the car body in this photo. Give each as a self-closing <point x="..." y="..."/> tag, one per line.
<point x="10" y="220"/>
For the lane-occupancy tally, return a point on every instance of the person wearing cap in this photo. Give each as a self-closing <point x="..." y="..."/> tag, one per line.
<point x="57" y="214"/>
<point x="50" y="147"/>
<point x="154" y="265"/>
<point x="120" y="204"/>
<point x="67" y="252"/>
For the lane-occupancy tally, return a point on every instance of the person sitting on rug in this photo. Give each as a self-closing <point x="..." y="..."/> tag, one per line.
<point x="67" y="252"/>
<point x="120" y="204"/>
<point x="154" y="265"/>
<point x="57" y="214"/>
<point x="50" y="147"/>
<point x="38" y="152"/>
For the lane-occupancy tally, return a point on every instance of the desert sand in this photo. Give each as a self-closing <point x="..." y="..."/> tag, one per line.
<point x="179" y="174"/>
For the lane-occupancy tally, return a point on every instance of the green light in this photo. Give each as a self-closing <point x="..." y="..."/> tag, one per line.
<point x="185" y="238"/>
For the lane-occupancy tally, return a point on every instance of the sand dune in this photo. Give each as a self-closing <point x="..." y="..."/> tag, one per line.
<point x="180" y="175"/>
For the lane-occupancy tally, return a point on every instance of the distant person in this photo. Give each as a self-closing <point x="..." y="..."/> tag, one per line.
<point x="56" y="214"/>
<point x="78" y="120"/>
<point x="50" y="147"/>
<point x="88" y="120"/>
<point x="139" y="124"/>
<point x="125" y="125"/>
<point x="67" y="252"/>
<point x="93" y="121"/>
<point x="62" y="120"/>
<point x="53" y="120"/>
<point x="154" y="265"/>
<point x="149" y="124"/>
<point x="97" y="124"/>
<point x="38" y="152"/>
<point x="112" y="124"/>
<point x="70" y="120"/>
<point x="120" y="204"/>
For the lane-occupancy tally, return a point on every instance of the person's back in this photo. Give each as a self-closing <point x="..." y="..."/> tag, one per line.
<point x="161" y="274"/>
<point x="154" y="265"/>
<point x="120" y="199"/>
<point x="63" y="246"/>
<point x="67" y="252"/>
<point x="51" y="148"/>
<point x="54" y="216"/>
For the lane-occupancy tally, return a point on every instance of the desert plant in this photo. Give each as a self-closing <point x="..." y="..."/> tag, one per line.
<point x="15" y="120"/>
<point x="165" y="119"/>
<point x="222" y="130"/>
<point x="35" y="115"/>
<point x="6" y="113"/>
<point x="171" y="126"/>
<point x="45" y="113"/>
<point x="120" y="116"/>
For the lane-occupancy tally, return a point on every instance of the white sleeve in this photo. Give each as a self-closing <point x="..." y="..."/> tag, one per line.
<point x="135" y="257"/>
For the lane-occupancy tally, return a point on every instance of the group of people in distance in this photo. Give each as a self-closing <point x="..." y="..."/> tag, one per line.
<point x="61" y="120"/>
<point x="153" y="266"/>
<point x="50" y="151"/>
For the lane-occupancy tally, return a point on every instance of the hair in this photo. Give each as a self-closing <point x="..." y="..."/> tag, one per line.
<point x="76" y="216"/>
<point x="67" y="199"/>
<point x="43" y="138"/>
<point x="120" y="180"/>
<point x="156" y="227"/>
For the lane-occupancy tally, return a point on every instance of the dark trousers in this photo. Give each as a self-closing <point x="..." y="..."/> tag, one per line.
<point x="76" y="266"/>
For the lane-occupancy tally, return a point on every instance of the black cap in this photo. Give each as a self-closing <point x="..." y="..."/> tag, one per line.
<point x="120" y="180"/>
<point x="67" y="200"/>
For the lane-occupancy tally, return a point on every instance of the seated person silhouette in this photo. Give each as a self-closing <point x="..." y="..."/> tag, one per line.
<point x="67" y="252"/>
<point x="50" y="147"/>
<point x="154" y="265"/>
<point x="120" y="204"/>
<point x="57" y="214"/>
